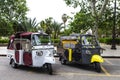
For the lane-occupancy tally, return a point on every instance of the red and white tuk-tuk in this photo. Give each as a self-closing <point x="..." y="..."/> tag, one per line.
<point x="31" y="49"/>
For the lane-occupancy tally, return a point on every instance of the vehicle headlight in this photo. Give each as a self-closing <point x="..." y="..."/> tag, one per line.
<point x="39" y="53"/>
<point x="50" y="55"/>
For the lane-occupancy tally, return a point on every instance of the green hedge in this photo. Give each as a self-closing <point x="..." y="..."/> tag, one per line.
<point x="55" y="40"/>
<point x="109" y="40"/>
<point x="4" y="40"/>
<point x="101" y="40"/>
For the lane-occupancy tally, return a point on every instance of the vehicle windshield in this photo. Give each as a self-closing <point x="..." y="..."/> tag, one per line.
<point x="89" y="40"/>
<point x="38" y="39"/>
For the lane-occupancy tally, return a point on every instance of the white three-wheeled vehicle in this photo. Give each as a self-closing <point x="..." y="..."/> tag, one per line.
<point x="31" y="49"/>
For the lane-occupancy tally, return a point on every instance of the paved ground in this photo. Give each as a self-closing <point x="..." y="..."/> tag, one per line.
<point x="106" y="53"/>
<point x="110" y="71"/>
<point x="3" y="51"/>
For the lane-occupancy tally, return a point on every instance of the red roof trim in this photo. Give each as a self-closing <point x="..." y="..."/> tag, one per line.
<point x="25" y="33"/>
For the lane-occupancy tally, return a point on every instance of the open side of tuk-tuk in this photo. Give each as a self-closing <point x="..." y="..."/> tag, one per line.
<point x="31" y="49"/>
<point x="82" y="49"/>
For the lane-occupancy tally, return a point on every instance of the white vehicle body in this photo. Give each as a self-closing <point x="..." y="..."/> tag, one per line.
<point x="22" y="51"/>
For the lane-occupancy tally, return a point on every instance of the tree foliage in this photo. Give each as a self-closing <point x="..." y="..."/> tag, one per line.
<point x="100" y="13"/>
<point x="82" y="21"/>
<point x="92" y="6"/>
<point x="30" y="24"/>
<point x="11" y="11"/>
<point x="46" y="25"/>
<point x="51" y="27"/>
<point x="56" y="28"/>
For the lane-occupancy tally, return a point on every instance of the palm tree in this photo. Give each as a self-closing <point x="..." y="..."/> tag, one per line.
<point x="17" y="27"/>
<point x="64" y="18"/>
<point x="46" y="25"/>
<point x="48" y="22"/>
<point x="43" y="25"/>
<point x="30" y="25"/>
<point x="56" y="27"/>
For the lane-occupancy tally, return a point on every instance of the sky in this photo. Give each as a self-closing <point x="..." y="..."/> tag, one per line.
<point x="42" y="9"/>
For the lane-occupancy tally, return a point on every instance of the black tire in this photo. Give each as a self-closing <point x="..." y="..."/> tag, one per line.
<point x="13" y="64"/>
<point x="63" y="61"/>
<point x="49" y="68"/>
<point x="97" y="67"/>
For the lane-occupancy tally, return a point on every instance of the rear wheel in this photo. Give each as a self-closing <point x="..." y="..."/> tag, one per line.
<point x="63" y="61"/>
<point x="13" y="64"/>
<point x="97" y="67"/>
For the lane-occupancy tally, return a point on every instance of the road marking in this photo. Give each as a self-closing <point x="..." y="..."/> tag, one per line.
<point x="108" y="62"/>
<point x="105" y="71"/>
<point x="80" y="74"/>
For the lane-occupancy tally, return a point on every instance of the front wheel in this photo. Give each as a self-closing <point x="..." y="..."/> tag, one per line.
<point x="49" y="68"/>
<point x="13" y="64"/>
<point x="97" y="67"/>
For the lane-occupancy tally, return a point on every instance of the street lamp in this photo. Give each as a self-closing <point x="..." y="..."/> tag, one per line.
<point x="114" y="28"/>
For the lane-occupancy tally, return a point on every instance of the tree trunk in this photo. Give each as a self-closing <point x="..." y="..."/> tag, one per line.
<point x="95" y="29"/>
<point x="97" y="15"/>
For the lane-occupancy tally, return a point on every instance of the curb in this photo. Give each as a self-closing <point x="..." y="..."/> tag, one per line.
<point x="2" y="55"/>
<point x="3" y="44"/>
<point x="111" y="56"/>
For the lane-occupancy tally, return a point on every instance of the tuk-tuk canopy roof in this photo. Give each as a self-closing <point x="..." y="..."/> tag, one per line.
<point x="22" y="34"/>
<point x="25" y="34"/>
<point x="74" y="36"/>
<point x="68" y="38"/>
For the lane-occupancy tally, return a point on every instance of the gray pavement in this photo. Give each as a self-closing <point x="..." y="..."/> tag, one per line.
<point x="108" y="52"/>
<point x="3" y="51"/>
